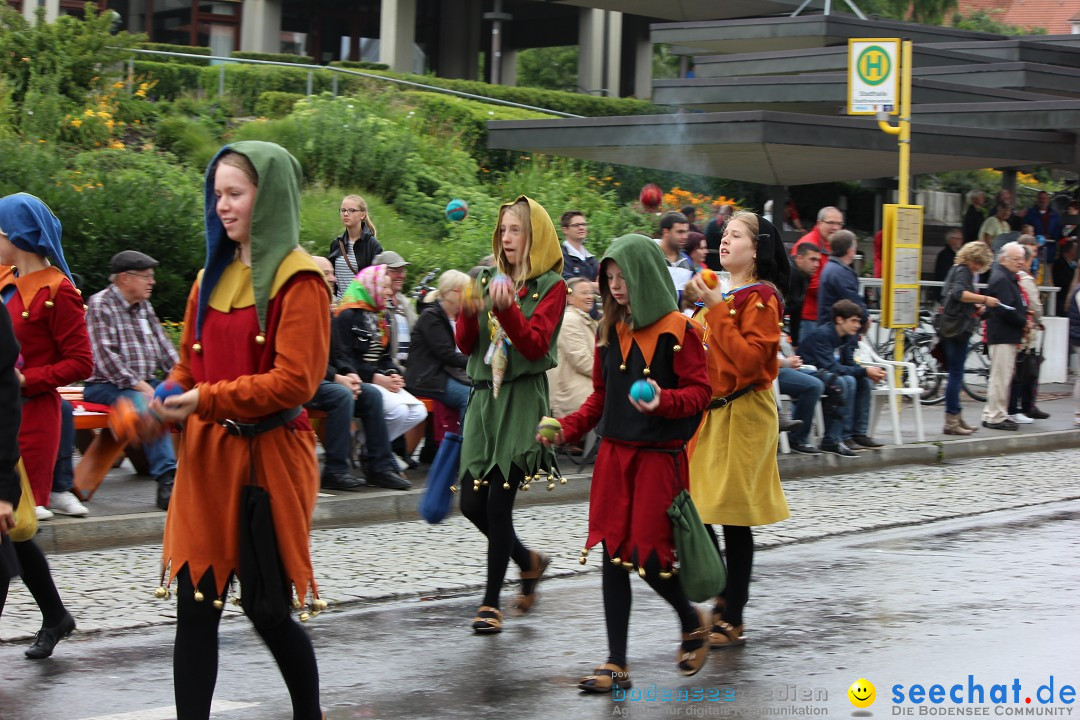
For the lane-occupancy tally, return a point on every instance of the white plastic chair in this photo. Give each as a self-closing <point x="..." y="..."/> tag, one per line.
<point x="892" y="392"/>
<point x="785" y="446"/>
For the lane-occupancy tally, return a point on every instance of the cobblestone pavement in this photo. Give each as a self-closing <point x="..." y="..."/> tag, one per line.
<point x="112" y="589"/>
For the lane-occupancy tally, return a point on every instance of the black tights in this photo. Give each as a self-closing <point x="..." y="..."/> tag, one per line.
<point x="739" y="542"/>
<point x="616" y="583"/>
<point x="491" y="510"/>
<point x="195" y="655"/>
<point x="39" y="581"/>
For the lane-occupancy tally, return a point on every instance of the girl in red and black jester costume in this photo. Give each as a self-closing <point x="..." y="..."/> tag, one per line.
<point x="642" y="464"/>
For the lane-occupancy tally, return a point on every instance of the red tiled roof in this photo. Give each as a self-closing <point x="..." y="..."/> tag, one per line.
<point x="1051" y="15"/>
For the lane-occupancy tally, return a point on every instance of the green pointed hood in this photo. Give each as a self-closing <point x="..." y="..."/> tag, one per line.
<point x="652" y="291"/>
<point x="275" y="223"/>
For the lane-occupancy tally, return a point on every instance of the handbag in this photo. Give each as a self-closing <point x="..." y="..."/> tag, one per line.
<point x="954" y="319"/>
<point x="435" y="502"/>
<point x="701" y="569"/>
<point x="1028" y="363"/>
<point x="26" y="522"/>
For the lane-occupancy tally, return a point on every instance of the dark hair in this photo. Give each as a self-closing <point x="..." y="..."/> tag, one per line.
<point x="568" y="216"/>
<point x="669" y="219"/>
<point x="688" y="210"/>
<point x="845" y="309"/>
<point x="806" y="248"/>
<point x="1016" y="223"/>
<point x="840" y="242"/>
<point x="693" y="241"/>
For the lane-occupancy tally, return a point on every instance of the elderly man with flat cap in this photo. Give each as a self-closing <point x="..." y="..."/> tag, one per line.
<point x="130" y="351"/>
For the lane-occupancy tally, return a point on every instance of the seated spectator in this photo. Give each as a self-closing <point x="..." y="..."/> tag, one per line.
<point x="828" y="348"/>
<point x="366" y="346"/>
<point x="696" y="250"/>
<point x="572" y="379"/>
<point x="130" y="349"/>
<point x="436" y="369"/>
<point x="336" y="397"/>
<point x="804" y="388"/>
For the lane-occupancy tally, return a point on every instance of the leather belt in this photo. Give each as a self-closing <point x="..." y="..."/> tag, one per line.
<point x="278" y="419"/>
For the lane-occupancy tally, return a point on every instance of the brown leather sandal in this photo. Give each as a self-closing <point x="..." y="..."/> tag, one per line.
<point x="604" y="678"/>
<point x="691" y="661"/>
<point x="726" y="635"/>
<point x="526" y="600"/>
<point x="488" y="621"/>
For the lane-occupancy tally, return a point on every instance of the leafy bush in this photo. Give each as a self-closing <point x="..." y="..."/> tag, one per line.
<point x="359" y="65"/>
<point x="189" y="139"/>
<point x="447" y="115"/>
<point x="173" y="79"/>
<point x="166" y="47"/>
<point x="273" y="57"/>
<point x="244" y="83"/>
<point x="276" y="104"/>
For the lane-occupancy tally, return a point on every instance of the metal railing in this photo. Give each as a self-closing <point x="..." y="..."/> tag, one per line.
<point x="1049" y="307"/>
<point x="312" y="69"/>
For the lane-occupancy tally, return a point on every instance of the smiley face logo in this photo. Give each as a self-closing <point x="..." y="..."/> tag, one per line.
<point x="862" y="693"/>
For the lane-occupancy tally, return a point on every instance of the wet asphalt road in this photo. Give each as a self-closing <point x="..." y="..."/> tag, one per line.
<point x="993" y="596"/>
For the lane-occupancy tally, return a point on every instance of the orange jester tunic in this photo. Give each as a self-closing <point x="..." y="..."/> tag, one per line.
<point x="242" y="379"/>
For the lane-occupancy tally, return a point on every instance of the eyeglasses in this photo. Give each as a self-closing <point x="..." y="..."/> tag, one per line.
<point x="143" y="275"/>
<point x="350" y="211"/>
<point x="578" y="225"/>
<point x="837" y="223"/>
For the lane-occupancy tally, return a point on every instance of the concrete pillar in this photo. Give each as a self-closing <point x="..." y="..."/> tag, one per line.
<point x="590" y="50"/>
<point x="260" y="26"/>
<point x="1008" y="182"/>
<point x="643" y="69"/>
<point x="509" y="66"/>
<point x="613" y="66"/>
<point x="397" y="28"/>
<point x="460" y="27"/>
<point x="52" y="9"/>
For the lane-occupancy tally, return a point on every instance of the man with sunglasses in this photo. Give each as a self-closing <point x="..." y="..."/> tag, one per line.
<point x="131" y="351"/>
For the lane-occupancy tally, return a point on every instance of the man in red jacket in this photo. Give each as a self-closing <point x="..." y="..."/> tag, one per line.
<point x="829" y="220"/>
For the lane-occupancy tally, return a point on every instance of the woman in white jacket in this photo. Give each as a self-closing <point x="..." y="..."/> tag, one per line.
<point x="571" y="381"/>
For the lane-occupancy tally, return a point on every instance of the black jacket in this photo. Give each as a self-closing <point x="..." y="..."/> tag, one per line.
<point x="796" y="294"/>
<point x="433" y="355"/>
<point x="1062" y="275"/>
<point x="1005" y="327"/>
<point x="573" y="266"/>
<point x="714" y="232"/>
<point x="364" y="250"/>
<point x="1074" y="320"/>
<point x="973" y="220"/>
<point x="355" y="331"/>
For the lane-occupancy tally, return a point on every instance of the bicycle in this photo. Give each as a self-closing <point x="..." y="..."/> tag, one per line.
<point x="423" y="287"/>
<point x="977" y="369"/>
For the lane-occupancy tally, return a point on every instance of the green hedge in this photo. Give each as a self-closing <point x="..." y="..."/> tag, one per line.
<point x="245" y="83"/>
<point x="173" y="78"/>
<point x="275" y="104"/>
<point x="568" y="102"/>
<point x="359" y="65"/>
<point x="274" y="57"/>
<point x="166" y="47"/>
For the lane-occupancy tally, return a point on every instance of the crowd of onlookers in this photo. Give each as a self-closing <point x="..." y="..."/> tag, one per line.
<point x="388" y="355"/>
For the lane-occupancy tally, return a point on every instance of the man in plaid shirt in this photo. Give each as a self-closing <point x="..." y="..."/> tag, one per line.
<point x="130" y="347"/>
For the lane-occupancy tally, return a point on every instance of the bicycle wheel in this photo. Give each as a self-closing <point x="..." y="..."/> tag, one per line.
<point x="977" y="372"/>
<point x="927" y="373"/>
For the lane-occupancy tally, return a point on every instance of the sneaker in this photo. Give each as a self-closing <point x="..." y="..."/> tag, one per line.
<point x="43" y="513"/>
<point x="402" y="465"/>
<point x="1021" y="419"/>
<point x="838" y="449"/>
<point x="1037" y="414"/>
<point x="1005" y="424"/>
<point x="866" y="441"/>
<point x="804" y="449"/>
<point x="66" y="503"/>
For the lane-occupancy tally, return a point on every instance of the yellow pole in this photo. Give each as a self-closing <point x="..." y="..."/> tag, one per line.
<point x="904" y="140"/>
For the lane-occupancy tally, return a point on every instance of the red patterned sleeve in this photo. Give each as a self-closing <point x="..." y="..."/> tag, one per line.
<point x="532" y="336"/>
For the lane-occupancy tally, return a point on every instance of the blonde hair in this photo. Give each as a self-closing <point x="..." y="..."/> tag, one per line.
<point x="240" y="162"/>
<point x="613" y="312"/>
<point x="521" y="271"/>
<point x="974" y="252"/>
<point x="361" y="203"/>
<point x="448" y="282"/>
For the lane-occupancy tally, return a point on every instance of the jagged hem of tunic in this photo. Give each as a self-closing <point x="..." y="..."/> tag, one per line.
<point x="298" y="585"/>
<point x="538" y="463"/>
<point x="634" y="557"/>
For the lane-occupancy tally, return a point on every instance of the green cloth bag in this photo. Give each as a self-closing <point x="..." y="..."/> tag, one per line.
<point x="701" y="569"/>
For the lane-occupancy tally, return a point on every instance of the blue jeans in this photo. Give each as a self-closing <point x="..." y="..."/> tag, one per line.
<point x="378" y="457"/>
<point x="956" y="350"/>
<point x="336" y="401"/>
<point x="63" y="479"/>
<point x="455" y="396"/>
<point x="159" y="453"/>
<point x="856" y="409"/>
<point x="805" y="390"/>
<point x="806" y="327"/>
